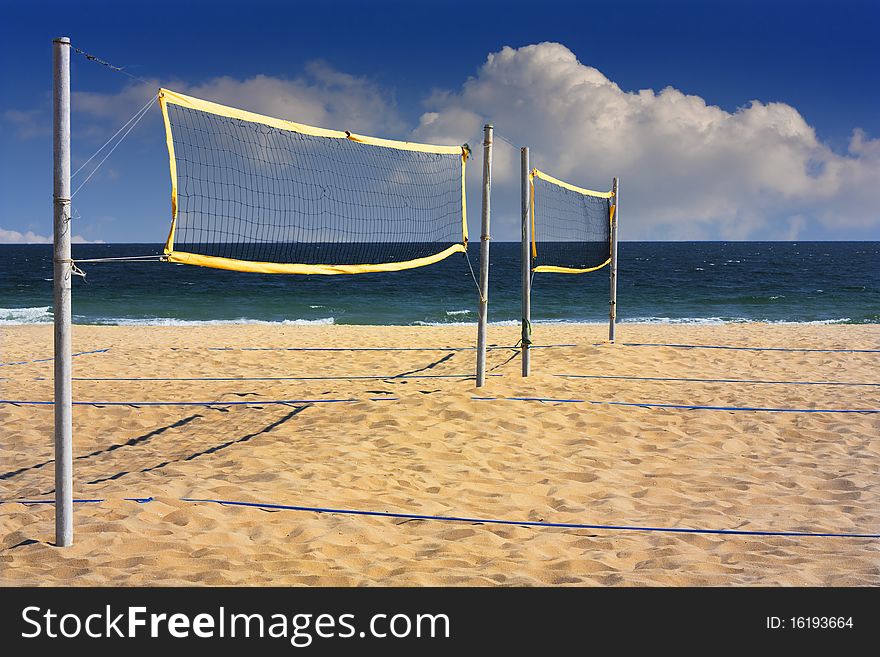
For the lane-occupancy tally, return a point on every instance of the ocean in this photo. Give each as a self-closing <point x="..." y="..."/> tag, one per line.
<point x="660" y="282"/>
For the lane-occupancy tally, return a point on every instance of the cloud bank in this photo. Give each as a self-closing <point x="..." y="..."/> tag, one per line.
<point x="321" y="96"/>
<point x="30" y="237"/>
<point x="688" y="170"/>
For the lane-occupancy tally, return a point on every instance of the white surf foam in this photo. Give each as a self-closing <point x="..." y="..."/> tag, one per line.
<point x="169" y="321"/>
<point x="34" y="315"/>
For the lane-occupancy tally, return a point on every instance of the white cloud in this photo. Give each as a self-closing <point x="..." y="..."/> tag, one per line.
<point x="30" y="237"/>
<point x="688" y="170"/>
<point x="321" y="96"/>
<point x="28" y="123"/>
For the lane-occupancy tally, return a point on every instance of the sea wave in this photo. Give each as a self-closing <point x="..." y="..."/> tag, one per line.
<point x="503" y="322"/>
<point x="682" y="320"/>
<point x="33" y="315"/>
<point x="840" y="320"/>
<point x="43" y="315"/>
<point x="513" y="322"/>
<point x="170" y="321"/>
<point x="729" y="320"/>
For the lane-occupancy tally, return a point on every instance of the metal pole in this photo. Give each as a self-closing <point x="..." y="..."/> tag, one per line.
<point x="612" y="320"/>
<point x="484" y="256"/>
<point x="526" y="264"/>
<point x="62" y="268"/>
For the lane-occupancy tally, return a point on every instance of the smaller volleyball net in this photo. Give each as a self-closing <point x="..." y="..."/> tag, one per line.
<point x="260" y="194"/>
<point x="571" y="226"/>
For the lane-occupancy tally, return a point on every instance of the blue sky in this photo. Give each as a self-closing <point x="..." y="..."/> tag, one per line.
<point x="698" y="161"/>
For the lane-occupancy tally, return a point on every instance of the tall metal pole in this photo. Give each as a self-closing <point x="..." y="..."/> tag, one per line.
<point x="63" y="268"/>
<point x="484" y="256"/>
<point x="526" y="264"/>
<point x="612" y="320"/>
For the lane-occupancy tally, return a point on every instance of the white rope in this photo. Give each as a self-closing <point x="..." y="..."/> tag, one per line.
<point x="141" y="258"/>
<point x="141" y="113"/>
<point x="474" y="276"/>
<point x="83" y="165"/>
<point x="74" y="270"/>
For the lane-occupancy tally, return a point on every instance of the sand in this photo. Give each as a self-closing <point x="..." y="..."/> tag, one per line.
<point x="435" y="450"/>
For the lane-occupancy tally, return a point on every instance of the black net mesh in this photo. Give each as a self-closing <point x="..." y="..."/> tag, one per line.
<point x="571" y="230"/>
<point x="252" y="192"/>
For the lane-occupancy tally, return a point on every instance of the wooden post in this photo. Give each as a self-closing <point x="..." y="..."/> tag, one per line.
<point x="612" y="319"/>
<point x="526" y="263"/>
<point x="62" y="272"/>
<point x="484" y="256"/>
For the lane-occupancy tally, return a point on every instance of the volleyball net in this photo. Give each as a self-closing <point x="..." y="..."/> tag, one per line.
<point x="571" y="226"/>
<point x="260" y="194"/>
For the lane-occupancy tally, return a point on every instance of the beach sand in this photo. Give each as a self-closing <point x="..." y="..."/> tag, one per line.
<point x="436" y="450"/>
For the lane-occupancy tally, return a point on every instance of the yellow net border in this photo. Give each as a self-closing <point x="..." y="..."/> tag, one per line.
<point x="168" y="97"/>
<point x="535" y="173"/>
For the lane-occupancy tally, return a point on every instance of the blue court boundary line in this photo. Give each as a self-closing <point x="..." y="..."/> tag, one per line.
<point x="287" y="402"/>
<point x="710" y="346"/>
<point x="682" y="406"/>
<point x="46" y="360"/>
<point x="278" y="378"/>
<point x="455" y="376"/>
<point x="482" y="521"/>
<point x="661" y="378"/>
<point x="452" y="376"/>
<point x="268" y="402"/>
<point x="489" y="348"/>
